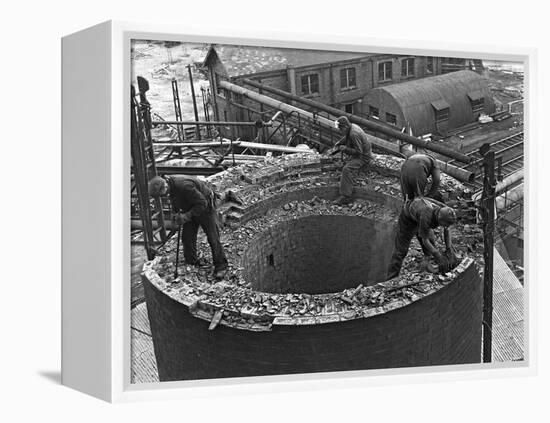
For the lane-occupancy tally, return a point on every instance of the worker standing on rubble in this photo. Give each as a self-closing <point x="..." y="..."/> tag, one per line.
<point x="420" y="216"/>
<point x="415" y="172"/>
<point x="357" y="147"/>
<point x="193" y="205"/>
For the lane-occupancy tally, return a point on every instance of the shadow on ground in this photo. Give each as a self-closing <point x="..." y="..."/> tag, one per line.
<point x="51" y="375"/>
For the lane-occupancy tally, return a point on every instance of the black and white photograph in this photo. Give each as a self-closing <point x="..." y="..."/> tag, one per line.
<point x="298" y="211"/>
<point x="278" y="212"/>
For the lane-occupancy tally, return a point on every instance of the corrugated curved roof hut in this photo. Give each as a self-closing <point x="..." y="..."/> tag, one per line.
<point x="432" y="105"/>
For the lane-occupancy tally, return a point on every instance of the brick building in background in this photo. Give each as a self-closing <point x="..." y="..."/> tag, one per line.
<point x="338" y="79"/>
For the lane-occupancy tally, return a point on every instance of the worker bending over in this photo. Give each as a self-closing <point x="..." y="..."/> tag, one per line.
<point x="414" y="175"/>
<point x="193" y="205"/>
<point x="415" y="172"/>
<point x="420" y="216"/>
<point x="357" y="147"/>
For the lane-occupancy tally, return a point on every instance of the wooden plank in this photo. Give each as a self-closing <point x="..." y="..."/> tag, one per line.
<point x="272" y="147"/>
<point x="223" y="143"/>
<point x="144" y="364"/>
<point x="508" y="322"/>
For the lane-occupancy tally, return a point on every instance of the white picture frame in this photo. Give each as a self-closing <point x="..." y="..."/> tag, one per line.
<point x="95" y="207"/>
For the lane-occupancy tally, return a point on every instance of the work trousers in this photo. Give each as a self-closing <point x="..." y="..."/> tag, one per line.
<point x="208" y="221"/>
<point x="413" y="184"/>
<point x="349" y="172"/>
<point x="406" y="229"/>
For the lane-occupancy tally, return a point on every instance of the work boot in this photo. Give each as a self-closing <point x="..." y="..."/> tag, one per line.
<point x="219" y="274"/>
<point x="343" y="200"/>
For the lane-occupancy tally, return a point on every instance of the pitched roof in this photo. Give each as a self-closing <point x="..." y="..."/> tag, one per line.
<point x="245" y="60"/>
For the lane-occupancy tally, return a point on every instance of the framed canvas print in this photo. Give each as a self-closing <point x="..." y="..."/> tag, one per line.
<point x="269" y="212"/>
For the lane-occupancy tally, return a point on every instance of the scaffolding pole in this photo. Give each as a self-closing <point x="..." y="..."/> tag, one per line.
<point x="488" y="224"/>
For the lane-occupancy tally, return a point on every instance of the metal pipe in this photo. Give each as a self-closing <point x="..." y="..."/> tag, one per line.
<point x="369" y="124"/>
<point x="276" y="104"/>
<point x="213" y="123"/>
<point x="275" y="117"/>
<point x="503" y="185"/>
<point x="458" y="173"/>
<point x="508" y="181"/>
<point x="502" y="202"/>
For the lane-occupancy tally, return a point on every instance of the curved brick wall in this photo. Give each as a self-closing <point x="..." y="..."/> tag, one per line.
<point x="319" y="254"/>
<point x="442" y="328"/>
<point x="301" y="293"/>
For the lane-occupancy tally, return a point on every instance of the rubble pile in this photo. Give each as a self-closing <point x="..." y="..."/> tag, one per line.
<point x="233" y="302"/>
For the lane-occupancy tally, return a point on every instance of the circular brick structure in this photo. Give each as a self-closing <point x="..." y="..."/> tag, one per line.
<point x="318" y="255"/>
<point x="306" y="290"/>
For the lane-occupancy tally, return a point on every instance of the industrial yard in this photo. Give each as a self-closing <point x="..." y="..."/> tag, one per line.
<point x="305" y="287"/>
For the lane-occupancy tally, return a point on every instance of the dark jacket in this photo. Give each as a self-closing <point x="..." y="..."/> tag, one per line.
<point x="415" y="172"/>
<point x="357" y="144"/>
<point x="189" y="194"/>
<point x="424" y="212"/>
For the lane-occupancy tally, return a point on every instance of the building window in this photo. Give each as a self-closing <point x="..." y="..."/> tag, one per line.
<point x="310" y="84"/>
<point x="225" y="115"/>
<point x="442" y="115"/>
<point x="385" y="71"/>
<point x="429" y="65"/>
<point x="374" y="112"/>
<point x="478" y="105"/>
<point x="477" y="101"/>
<point x="392" y="119"/>
<point x="407" y="67"/>
<point x="348" y="108"/>
<point x="347" y="78"/>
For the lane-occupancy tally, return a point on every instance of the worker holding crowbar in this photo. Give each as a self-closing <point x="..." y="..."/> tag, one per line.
<point x="356" y="146"/>
<point x="194" y="205"/>
<point x="177" y="251"/>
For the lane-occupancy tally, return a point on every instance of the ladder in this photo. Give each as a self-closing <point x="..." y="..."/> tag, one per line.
<point x="144" y="168"/>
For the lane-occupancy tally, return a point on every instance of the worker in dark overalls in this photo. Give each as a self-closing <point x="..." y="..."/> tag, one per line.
<point x="420" y="216"/>
<point x="415" y="172"/>
<point x="356" y="146"/>
<point x="193" y="205"/>
<point x="414" y="175"/>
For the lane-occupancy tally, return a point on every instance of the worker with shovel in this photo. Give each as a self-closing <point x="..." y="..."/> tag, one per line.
<point x="356" y="146"/>
<point x="194" y="205"/>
